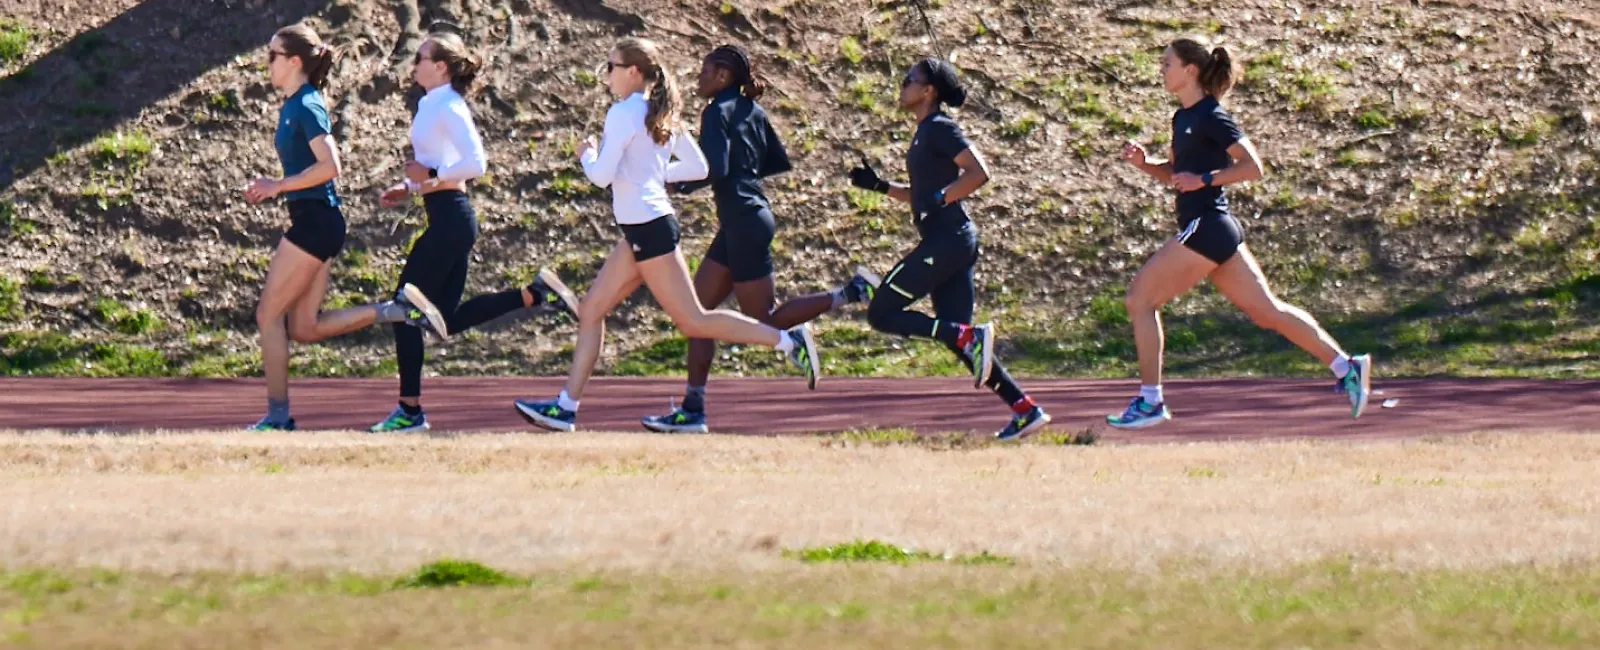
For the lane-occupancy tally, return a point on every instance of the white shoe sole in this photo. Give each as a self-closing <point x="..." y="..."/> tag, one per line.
<point x="414" y="296"/>
<point x="421" y="427"/>
<point x="1032" y="427"/>
<point x="1362" y="364"/>
<point x="659" y="427"/>
<point x="538" y="419"/>
<point x="811" y="357"/>
<point x="872" y="278"/>
<point x="986" y="364"/>
<point x="550" y="279"/>
<point x="1141" y="424"/>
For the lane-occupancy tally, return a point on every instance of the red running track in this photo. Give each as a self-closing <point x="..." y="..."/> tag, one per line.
<point x="1203" y="409"/>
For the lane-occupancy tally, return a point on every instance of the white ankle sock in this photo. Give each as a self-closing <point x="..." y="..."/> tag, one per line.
<point x="1151" y="394"/>
<point x="785" y="344"/>
<point x="1340" y="366"/>
<point x="566" y="402"/>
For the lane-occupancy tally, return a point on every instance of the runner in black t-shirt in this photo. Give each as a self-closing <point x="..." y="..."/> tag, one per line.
<point x="944" y="169"/>
<point x="1208" y="152"/>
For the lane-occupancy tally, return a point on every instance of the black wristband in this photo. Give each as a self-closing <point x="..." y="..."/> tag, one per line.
<point x="433" y="173"/>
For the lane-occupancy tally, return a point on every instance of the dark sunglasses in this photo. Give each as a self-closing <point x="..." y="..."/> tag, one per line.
<point x="611" y="66"/>
<point x="417" y="59"/>
<point x="908" y="80"/>
<point x="272" y="55"/>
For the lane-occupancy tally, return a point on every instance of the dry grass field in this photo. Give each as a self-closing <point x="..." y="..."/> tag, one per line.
<point x="222" y="540"/>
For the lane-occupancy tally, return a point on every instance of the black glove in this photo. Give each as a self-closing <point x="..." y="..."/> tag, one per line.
<point x="865" y="177"/>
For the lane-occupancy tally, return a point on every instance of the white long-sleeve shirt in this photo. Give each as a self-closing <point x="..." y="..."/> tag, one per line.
<point x="636" y="168"/>
<point x="444" y="137"/>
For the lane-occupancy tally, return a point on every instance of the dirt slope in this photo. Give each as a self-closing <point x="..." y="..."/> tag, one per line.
<point x="1432" y="190"/>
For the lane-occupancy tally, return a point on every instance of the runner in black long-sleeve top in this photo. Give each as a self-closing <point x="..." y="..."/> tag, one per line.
<point x="741" y="149"/>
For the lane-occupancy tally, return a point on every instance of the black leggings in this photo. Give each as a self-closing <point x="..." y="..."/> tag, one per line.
<point x="940" y="267"/>
<point x="437" y="264"/>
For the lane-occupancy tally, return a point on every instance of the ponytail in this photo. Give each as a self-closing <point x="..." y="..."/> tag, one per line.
<point x="664" y="105"/>
<point x="320" y="66"/>
<point x="946" y="83"/>
<point x="662" y="119"/>
<point x="1218" y="71"/>
<point x="316" y="57"/>
<point x="463" y="80"/>
<point x="462" y="64"/>
<point x="1218" y="77"/>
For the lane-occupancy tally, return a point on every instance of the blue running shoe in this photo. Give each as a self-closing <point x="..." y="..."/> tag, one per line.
<point x="401" y="422"/>
<point x="1140" y="415"/>
<point x="1024" y="424"/>
<point x="266" y="425"/>
<point x="547" y="414"/>
<point x="1357" y="384"/>
<point x="678" y="421"/>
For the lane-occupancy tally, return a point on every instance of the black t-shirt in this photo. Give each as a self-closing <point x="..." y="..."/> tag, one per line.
<point x="931" y="163"/>
<point x="1201" y="135"/>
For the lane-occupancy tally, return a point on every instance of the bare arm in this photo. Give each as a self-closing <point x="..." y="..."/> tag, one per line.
<point x="1161" y="170"/>
<point x="974" y="174"/>
<point x="1246" y="167"/>
<point x="326" y="168"/>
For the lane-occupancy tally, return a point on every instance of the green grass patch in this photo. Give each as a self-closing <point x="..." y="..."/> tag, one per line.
<point x="876" y="551"/>
<point x="666" y="356"/>
<point x="1082" y="438"/>
<point x="866" y="202"/>
<point x="26" y="353"/>
<point x="1356" y="158"/>
<point x="868" y="94"/>
<point x="1021" y="127"/>
<point x="121" y="150"/>
<point x="878" y="437"/>
<point x="1373" y="119"/>
<point x="125" y="320"/>
<point x="10" y="298"/>
<point x="1527" y="133"/>
<point x="14" y="38"/>
<point x="851" y="51"/>
<point x="569" y="185"/>
<point x="457" y="573"/>
<point x="226" y="101"/>
<point x="866" y="595"/>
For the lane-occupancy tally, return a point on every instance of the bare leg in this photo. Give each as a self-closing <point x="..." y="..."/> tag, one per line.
<point x="712" y="283"/>
<point x="1172" y="271"/>
<point x="618" y="279"/>
<point x="291" y="272"/>
<point x="308" y="324"/>
<point x="668" y="279"/>
<point x="1241" y="281"/>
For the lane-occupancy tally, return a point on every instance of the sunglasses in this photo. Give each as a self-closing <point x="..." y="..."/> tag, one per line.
<point x="418" y="59"/>
<point x="908" y="80"/>
<point x="272" y="55"/>
<point x="611" y="66"/>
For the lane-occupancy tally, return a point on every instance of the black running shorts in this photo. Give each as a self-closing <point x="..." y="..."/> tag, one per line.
<point x="653" y="238"/>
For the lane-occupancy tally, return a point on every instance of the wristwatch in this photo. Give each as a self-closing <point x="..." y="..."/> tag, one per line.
<point x="434" y="173"/>
<point x="1206" y="178"/>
